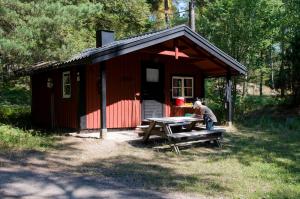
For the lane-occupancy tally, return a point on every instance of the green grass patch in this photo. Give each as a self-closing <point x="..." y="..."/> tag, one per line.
<point x="19" y="94"/>
<point x="13" y="138"/>
<point x="16" y="131"/>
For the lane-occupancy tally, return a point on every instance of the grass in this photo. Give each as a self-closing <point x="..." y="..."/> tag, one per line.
<point x="260" y="159"/>
<point x="16" y="131"/>
<point x="254" y="163"/>
<point x="13" y="138"/>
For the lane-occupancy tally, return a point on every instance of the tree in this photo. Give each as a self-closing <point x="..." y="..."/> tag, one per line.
<point x="33" y="31"/>
<point x="293" y="59"/>
<point x="158" y="16"/>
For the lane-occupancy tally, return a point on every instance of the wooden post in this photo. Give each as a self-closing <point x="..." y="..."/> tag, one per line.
<point x="202" y="87"/>
<point x="192" y="15"/>
<point x="103" y="129"/>
<point x="229" y="98"/>
<point x="81" y="81"/>
<point x="52" y="108"/>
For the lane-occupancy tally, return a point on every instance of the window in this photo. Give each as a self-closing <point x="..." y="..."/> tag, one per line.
<point x="66" y="81"/>
<point x="152" y="75"/>
<point x="182" y="87"/>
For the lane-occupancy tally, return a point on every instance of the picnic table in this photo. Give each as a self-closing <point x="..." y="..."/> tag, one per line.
<point x="187" y="130"/>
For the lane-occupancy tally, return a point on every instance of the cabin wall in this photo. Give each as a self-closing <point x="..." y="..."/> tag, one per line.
<point x="40" y="101"/>
<point x="66" y="109"/>
<point x="124" y="87"/>
<point x="93" y="97"/>
<point x="179" y="68"/>
<point x="123" y="92"/>
<point x="45" y="99"/>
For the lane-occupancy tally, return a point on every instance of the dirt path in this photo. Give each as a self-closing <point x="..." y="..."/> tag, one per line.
<point x="82" y="168"/>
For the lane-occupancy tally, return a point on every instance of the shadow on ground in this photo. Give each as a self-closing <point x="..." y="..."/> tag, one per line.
<point x="34" y="174"/>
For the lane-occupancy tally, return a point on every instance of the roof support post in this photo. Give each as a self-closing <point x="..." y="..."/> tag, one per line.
<point x="103" y="129"/>
<point x="202" y="96"/>
<point x="81" y="81"/>
<point x="229" y="99"/>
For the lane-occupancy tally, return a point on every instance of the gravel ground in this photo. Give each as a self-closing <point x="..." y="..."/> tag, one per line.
<point x="78" y="168"/>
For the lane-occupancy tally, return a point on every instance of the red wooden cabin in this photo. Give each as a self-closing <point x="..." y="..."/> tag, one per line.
<point x="119" y="83"/>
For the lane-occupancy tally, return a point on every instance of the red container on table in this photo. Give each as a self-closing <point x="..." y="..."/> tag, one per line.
<point x="179" y="101"/>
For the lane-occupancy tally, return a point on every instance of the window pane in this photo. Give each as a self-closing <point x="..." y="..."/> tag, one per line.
<point x="177" y="92"/>
<point x="67" y="78"/>
<point x="66" y="85"/>
<point x="67" y="89"/>
<point x="152" y="75"/>
<point x="177" y="82"/>
<point x="188" y="92"/>
<point x="188" y="83"/>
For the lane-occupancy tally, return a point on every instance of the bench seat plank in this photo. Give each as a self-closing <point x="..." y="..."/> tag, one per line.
<point x="195" y="134"/>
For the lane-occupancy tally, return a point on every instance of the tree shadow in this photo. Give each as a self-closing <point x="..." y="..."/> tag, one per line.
<point x="249" y="146"/>
<point x="160" y="144"/>
<point x="123" y="176"/>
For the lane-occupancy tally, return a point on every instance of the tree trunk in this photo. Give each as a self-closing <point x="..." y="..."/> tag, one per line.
<point x="281" y="72"/>
<point x="261" y="83"/>
<point x="244" y="88"/>
<point x="272" y="85"/>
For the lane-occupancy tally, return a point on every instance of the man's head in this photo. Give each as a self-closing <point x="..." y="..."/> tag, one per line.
<point x="197" y="104"/>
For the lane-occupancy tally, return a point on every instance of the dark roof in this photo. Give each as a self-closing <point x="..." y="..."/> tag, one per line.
<point x="124" y="46"/>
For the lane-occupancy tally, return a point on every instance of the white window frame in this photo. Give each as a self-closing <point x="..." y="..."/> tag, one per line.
<point x="182" y="86"/>
<point x="66" y="95"/>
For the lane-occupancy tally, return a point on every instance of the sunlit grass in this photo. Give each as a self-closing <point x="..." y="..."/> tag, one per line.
<point x="13" y="138"/>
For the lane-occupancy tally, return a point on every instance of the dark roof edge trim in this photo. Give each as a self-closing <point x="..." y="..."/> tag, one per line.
<point x="137" y="45"/>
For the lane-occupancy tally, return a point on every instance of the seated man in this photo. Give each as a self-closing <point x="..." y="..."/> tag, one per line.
<point x="208" y="116"/>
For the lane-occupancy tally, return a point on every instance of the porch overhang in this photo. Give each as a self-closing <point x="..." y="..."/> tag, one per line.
<point x="218" y="62"/>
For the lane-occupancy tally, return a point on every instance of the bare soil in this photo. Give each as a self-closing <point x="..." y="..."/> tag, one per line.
<point x="85" y="168"/>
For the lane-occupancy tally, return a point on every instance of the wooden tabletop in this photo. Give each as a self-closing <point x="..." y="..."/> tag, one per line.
<point x="175" y="119"/>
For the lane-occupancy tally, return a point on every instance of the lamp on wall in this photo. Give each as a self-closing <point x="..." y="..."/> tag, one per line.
<point x="50" y="83"/>
<point x="78" y="77"/>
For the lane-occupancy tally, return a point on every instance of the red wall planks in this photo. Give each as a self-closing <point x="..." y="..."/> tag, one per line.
<point x="175" y="67"/>
<point x="123" y="92"/>
<point x="92" y="97"/>
<point x="40" y="108"/>
<point x="123" y="89"/>
<point x="64" y="110"/>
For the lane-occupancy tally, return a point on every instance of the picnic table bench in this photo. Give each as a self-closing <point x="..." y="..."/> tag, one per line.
<point x="163" y="128"/>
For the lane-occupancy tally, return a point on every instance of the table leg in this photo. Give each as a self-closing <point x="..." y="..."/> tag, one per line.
<point x="168" y="131"/>
<point x="149" y="130"/>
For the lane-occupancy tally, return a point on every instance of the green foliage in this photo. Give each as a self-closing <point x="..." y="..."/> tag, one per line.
<point x="15" y="105"/>
<point x="17" y="94"/>
<point x="293" y="58"/>
<point x="248" y="104"/>
<point x="12" y="138"/>
<point x="243" y="29"/>
<point x="258" y="121"/>
<point x="33" y="31"/>
<point x="257" y="33"/>
<point x="244" y="107"/>
<point x="15" y="121"/>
